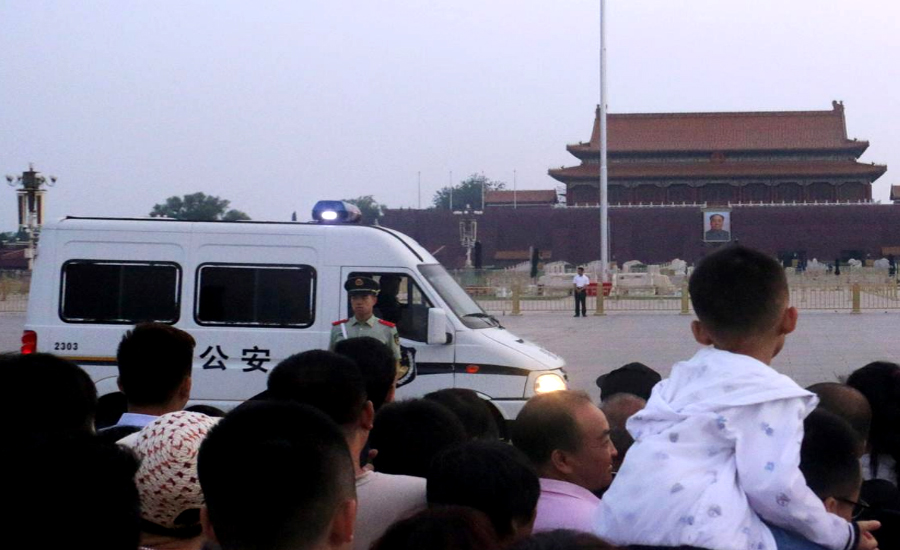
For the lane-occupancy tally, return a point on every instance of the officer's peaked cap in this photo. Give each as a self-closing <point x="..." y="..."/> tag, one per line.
<point x="361" y="285"/>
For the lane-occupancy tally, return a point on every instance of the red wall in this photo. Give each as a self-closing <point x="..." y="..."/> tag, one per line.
<point x="656" y="234"/>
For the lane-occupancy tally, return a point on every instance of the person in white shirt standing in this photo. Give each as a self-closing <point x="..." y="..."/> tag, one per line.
<point x="581" y="282"/>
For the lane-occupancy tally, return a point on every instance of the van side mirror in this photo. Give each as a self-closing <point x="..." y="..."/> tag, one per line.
<point x="437" y="326"/>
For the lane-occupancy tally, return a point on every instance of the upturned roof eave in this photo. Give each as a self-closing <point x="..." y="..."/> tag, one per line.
<point x="585" y="151"/>
<point x="873" y="171"/>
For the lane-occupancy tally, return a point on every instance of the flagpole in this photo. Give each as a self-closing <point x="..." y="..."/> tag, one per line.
<point x="604" y="202"/>
<point x="514" y="189"/>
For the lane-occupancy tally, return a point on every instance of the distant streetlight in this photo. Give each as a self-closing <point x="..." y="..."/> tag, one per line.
<point x="468" y="231"/>
<point x="31" y="197"/>
<point x="31" y="203"/>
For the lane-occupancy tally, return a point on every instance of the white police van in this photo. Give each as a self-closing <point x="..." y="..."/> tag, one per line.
<point x="253" y="293"/>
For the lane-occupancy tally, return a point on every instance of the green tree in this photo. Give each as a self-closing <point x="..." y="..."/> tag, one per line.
<point x="469" y="191"/>
<point x="197" y="207"/>
<point x="20" y="236"/>
<point x="371" y="210"/>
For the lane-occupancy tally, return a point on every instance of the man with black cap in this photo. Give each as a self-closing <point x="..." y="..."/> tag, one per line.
<point x="363" y="292"/>
<point x="634" y="378"/>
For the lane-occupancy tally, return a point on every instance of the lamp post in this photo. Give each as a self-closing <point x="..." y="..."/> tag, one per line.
<point x="31" y="204"/>
<point x="468" y="231"/>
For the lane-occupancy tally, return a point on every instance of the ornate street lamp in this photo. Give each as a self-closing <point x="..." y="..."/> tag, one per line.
<point x="468" y="231"/>
<point x="31" y="203"/>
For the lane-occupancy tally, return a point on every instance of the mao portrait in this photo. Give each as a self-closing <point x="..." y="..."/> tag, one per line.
<point x="717" y="226"/>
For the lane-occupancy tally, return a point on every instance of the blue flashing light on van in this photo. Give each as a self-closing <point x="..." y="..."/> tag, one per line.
<point x="336" y="212"/>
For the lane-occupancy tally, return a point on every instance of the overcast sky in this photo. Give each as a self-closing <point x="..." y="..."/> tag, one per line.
<point x="274" y="105"/>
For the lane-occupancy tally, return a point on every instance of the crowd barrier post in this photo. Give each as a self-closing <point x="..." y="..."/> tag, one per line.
<point x="515" y="301"/>
<point x="855" y="296"/>
<point x="601" y="310"/>
<point x="685" y="300"/>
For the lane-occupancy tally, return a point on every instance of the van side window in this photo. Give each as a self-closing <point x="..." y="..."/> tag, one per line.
<point x="256" y="295"/>
<point x="401" y="302"/>
<point x="120" y="292"/>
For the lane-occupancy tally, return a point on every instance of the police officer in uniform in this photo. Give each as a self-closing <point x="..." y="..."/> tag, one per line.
<point x="363" y="293"/>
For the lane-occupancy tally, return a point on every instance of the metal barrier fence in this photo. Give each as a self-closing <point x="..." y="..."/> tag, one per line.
<point x="825" y="294"/>
<point x="517" y="301"/>
<point x="14" y="291"/>
<point x="515" y="292"/>
<point x="853" y="298"/>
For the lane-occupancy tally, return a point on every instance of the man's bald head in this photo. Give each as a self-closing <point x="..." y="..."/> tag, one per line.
<point x="848" y="403"/>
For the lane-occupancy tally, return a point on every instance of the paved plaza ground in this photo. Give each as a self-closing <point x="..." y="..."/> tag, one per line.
<point x="825" y="346"/>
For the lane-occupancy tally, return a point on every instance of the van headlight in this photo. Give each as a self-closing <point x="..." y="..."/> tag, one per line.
<point x="549" y="382"/>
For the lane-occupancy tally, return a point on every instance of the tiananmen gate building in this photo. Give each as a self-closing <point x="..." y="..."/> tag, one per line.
<point x="682" y="184"/>
<point x="723" y="158"/>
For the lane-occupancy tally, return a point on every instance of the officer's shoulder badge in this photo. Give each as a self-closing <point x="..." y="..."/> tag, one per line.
<point x="387" y="323"/>
<point x="342" y="321"/>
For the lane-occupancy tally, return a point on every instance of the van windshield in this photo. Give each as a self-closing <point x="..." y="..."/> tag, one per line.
<point x="465" y="308"/>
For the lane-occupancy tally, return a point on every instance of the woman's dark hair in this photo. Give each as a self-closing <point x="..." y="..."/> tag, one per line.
<point x="408" y="434"/>
<point x="91" y="485"/>
<point x="880" y="383"/>
<point x="208" y="410"/>
<point x="828" y="455"/>
<point x="376" y="364"/>
<point x="562" y="539"/>
<point x="441" y="528"/>
<point x="49" y="397"/>
<point x="474" y="412"/>
<point x="490" y="476"/>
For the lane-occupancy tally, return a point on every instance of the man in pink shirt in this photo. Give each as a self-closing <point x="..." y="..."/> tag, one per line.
<point x="567" y="438"/>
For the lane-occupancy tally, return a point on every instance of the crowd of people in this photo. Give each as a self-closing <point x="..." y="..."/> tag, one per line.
<point x="723" y="454"/>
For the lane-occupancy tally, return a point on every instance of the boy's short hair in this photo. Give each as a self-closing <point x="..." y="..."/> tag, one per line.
<point x="828" y="455"/>
<point x="153" y="360"/>
<point x="376" y="363"/>
<point x="490" y="476"/>
<point x="323" y="379"/>
<point x="273" y="475"/>
<point x="738" y="291"/>
<point x="547" y="423"/>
